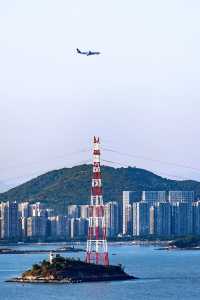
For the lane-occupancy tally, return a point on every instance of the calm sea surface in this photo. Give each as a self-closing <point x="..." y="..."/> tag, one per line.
<point x="163" y="275"/>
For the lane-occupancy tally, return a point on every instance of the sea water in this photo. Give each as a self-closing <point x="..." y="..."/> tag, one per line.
<point x="163" y="275"/>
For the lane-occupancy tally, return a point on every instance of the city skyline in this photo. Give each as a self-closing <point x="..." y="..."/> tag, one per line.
<point x="157" y="214"/>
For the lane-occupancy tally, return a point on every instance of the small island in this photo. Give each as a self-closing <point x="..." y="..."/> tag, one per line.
<point x="186" y="243"/>
<point x="69" y="270"/>
<point x="183" y="243"/>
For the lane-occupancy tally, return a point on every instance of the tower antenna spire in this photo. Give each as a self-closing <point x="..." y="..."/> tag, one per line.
<point x="97" y="248"/>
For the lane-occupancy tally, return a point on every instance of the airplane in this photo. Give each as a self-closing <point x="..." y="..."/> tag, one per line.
<point x="88" y="53"/>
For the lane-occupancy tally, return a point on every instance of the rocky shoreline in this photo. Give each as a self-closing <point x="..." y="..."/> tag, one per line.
<point x="60" y="270"/>
<point x="70" y="280"/>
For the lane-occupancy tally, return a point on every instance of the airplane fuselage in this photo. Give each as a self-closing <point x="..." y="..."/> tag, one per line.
<point x="87" y="53"/>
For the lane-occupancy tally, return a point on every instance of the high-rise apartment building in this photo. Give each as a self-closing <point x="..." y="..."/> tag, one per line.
<point x="112" y="218"/>
<point x="126" y="214"/>
<point x="24" y="209"/>
<point x="9" y="220"/>
<point x="182" y="218"/>
<point x="141" y="218"/>
<point x="132" y="196"/>
<point x="84" y="211"/>
<point x="160" y="219"/>
<point x="58" y="227"/>
<point x="37" y="210"/>
<point x="36" y="227"/>
<point x="50" y="212"/>
<point x="73" y="211"/>
<point x="196" y="217"/>
<point x="181" y="196"/>
<point x="152" y="197"/>
<point x="82" y="227"/>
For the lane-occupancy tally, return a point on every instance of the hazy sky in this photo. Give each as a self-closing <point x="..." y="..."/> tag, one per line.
<point x="141" y="95"/>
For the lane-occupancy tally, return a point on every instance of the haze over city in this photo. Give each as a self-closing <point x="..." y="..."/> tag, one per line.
<point x="141" y="95"/>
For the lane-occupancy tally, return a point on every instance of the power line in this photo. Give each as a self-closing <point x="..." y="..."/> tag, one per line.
<point x="122" y="164"/>
<point x="165" y="174"/>
<point x="46" y="160"/>
<point x="152" y="159"/>
<point x="36" y="172"/>
<point x="105" y="149"/>
<point x="17" y="178"/>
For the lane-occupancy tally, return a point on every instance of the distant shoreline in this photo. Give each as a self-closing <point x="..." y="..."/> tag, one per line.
<point x="64" y="250"/>
<point x="77" y="242"/>
<point x="178" y="249"/>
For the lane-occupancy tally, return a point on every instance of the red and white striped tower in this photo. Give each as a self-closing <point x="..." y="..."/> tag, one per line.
<point x="97" y="249"/>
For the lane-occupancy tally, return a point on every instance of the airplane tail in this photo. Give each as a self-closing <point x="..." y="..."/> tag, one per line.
<point x="78" y="50"/>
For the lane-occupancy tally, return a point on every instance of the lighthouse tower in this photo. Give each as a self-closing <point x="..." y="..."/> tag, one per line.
<point x="97" y="249"/>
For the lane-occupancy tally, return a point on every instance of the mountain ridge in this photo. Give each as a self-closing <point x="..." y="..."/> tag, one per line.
<point x="58" y="188"/>
<point x="4" y="187"/>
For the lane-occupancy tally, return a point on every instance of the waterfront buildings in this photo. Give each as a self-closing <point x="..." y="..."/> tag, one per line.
<point x="137" y="214"/>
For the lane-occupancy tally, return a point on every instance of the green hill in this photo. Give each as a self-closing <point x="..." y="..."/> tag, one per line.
<point x="72" y="185"/>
